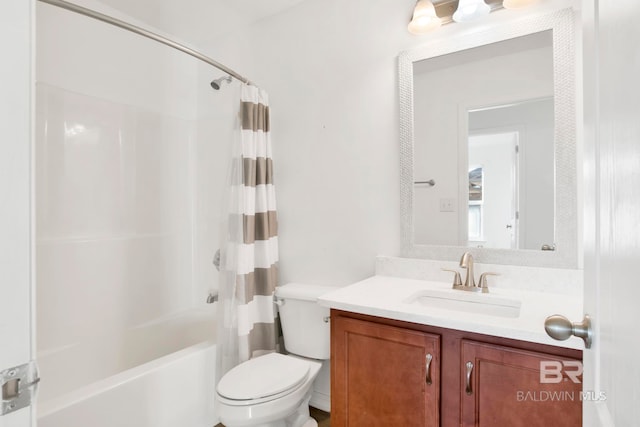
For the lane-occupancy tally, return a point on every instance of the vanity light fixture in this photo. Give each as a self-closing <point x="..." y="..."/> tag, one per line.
<point x="424" y="18"/>
<point x="430" y="14"/>
<point x="470" y="10"/>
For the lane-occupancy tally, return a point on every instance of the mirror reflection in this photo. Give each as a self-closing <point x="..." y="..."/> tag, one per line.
<point x="511" y="169"/>
<point x="484" y="133"/>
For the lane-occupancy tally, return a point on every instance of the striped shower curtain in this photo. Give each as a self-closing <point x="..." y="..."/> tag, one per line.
<point x="249" y="247"/>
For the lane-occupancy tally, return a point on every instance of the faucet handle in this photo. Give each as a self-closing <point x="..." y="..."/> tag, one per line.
<point x="482" y="282"/>
<point x="457" y="281"/>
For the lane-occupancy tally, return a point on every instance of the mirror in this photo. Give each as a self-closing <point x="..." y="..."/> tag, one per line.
<point x="488" y="148"/>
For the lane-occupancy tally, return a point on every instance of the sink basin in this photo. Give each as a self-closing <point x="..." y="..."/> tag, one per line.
<point x="469" y="302"/>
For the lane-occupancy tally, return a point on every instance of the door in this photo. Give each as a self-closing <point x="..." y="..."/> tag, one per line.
<point x="16" y="278"/>
<point x="383" y="376"/>
<point x="502" y="386"/>
<point x="612" y="207"/>
<point x="494" y="194"/>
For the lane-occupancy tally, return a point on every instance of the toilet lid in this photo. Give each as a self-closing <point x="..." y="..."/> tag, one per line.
<point x="262" y="377"/>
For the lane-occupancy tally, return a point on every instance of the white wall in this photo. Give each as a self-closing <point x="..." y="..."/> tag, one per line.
<point x="115" y="126"/>
<point x="330" y="69"/>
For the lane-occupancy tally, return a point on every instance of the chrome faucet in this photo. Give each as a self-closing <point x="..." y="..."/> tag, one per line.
<point x="469" y="282"/>
<point x="467" y="262"/>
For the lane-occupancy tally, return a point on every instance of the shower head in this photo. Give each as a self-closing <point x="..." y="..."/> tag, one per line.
<point x="217" y="83"/>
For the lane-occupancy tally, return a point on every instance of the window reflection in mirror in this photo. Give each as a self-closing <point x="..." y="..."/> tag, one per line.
<point x="476" y="230"/>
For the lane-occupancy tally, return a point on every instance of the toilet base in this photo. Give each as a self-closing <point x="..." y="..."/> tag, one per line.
<point x="299" y="418"/>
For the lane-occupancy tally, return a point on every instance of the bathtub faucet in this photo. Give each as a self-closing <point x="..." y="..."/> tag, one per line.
<point x="213" y="297"/>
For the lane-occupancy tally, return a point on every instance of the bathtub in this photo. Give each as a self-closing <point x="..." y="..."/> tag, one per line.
<point x="161" y="374"/>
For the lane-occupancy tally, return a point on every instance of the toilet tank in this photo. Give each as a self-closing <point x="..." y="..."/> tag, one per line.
<point x="305" y="324"/>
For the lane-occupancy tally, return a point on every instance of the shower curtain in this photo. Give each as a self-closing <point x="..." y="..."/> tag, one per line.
<point x="249" y="242"/>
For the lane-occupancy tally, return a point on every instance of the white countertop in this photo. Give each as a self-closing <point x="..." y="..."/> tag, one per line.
<point x="385" y="296"/>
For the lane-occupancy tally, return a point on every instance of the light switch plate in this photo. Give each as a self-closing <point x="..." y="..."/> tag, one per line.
<point x="447" y="205"/>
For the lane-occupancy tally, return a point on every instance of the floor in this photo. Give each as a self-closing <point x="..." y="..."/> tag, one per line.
<point x="320" y="416"/>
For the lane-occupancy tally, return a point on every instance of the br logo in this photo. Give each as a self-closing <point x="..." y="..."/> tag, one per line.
<point x="553" y="371"/>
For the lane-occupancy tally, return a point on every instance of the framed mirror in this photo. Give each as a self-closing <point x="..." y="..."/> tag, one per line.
<point x="488" y="145"/>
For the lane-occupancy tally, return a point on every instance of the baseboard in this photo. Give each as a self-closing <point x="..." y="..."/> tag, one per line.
<point x="321" y="401"/>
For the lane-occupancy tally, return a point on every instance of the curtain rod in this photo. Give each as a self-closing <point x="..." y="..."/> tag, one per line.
<point x="146" y="33"/>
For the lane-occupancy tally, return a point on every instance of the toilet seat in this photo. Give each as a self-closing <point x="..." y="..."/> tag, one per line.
<point x="262" y="379"/>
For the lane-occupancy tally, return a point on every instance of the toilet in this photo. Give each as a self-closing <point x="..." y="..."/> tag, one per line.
<point x="273" y="390"/>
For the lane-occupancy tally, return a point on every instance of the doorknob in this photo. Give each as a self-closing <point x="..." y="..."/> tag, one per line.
<point x="560" y="328"/>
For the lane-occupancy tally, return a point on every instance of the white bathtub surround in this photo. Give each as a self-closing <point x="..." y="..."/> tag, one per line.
<point x="113" y="218"/>
<point x="160" y="374"/>
<point x="390" y="297"/>
<point x="115" y="246"/>
<point x="249" y="247"/>
<point x="535" y="279"/>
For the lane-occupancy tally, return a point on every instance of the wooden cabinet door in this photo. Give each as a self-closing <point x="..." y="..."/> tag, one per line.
<point x="505" y="388"/>
<point x="379" y="375"/>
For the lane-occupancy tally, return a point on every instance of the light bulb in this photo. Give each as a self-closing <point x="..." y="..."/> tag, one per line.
<point x="424" y="18"/>
<point x="470" y="10"/>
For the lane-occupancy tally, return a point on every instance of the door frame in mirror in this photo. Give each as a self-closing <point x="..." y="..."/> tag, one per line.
<point x="567" y="220"/>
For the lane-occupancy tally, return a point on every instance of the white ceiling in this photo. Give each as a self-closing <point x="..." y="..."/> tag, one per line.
<point x="199" y="21"/>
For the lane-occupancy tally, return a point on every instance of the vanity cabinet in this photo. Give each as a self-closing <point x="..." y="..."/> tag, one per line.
<point x="380" y="377"/>
<point x="383" y="375"/>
